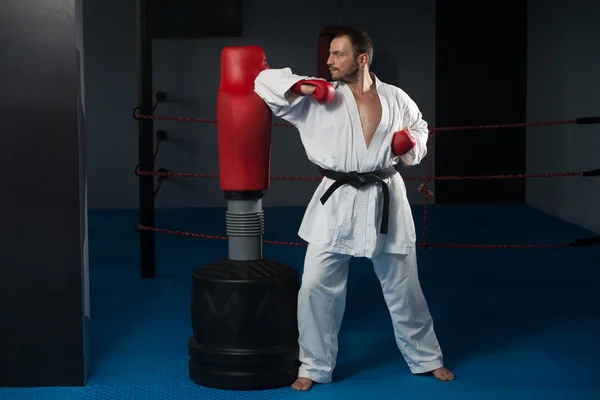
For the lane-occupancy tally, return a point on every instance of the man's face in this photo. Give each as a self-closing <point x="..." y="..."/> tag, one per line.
<point x="342" y="64"/>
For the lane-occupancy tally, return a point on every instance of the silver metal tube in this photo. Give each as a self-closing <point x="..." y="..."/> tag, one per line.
<point x="245" y="226"/>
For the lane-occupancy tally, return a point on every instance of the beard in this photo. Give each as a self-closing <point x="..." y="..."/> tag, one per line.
<point x="349" y="76"/>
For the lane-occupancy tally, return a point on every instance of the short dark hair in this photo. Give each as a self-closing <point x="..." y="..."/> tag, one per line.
<point x="361" y="41"/>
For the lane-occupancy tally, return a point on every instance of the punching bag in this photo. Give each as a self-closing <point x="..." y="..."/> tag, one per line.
<point x="244" y="318"/>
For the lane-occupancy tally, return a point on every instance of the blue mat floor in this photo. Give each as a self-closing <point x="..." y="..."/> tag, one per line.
<point x="513" y="324"/>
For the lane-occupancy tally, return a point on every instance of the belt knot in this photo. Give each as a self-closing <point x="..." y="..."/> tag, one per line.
<point x="357" y="180"/>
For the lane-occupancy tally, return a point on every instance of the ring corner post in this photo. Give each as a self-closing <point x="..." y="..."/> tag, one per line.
<point x="146" y="139"/>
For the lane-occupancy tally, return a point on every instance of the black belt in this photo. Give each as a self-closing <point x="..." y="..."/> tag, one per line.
<point x="357" y="180"/>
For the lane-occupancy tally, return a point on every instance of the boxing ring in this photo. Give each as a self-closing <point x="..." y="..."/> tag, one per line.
<point x="236" y="298"/>
<point x="206" y="281"/>
<point x="515" y="319"/>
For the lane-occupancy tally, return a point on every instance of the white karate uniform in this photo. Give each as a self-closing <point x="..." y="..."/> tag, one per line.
<point x="347" y="225"/>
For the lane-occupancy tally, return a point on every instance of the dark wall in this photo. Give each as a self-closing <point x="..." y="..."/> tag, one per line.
<point x="563" y="82"/>
<point x="481" y="70"/>
<point x="41" y="308"/>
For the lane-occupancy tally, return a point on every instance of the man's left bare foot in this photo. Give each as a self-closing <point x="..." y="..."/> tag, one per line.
<point x="443" y="374"/>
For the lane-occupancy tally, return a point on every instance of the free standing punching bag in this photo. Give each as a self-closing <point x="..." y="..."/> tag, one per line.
<point x="244" y="320"/>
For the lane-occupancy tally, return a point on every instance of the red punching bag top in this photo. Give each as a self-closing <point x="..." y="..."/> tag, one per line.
<point x="244" y="122"/>
<point x="240" y="66"/>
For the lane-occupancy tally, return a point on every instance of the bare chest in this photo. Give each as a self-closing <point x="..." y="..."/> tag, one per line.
<point x="370" y="110"/>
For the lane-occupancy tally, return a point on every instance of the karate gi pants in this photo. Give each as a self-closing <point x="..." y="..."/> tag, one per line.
<point x="322" y="301"/>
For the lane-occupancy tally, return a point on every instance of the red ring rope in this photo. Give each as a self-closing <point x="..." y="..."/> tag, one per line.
<point x="424" y="188"/>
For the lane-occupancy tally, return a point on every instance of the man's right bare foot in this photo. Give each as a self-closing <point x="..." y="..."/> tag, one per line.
<point x="302" y="384"/>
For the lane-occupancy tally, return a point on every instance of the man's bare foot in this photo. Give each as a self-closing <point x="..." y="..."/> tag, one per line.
<point x="302" y="384"/>
<point x="443" y="374"/>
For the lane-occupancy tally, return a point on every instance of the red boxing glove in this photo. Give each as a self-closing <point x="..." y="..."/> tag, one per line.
<point x="324" y="91"/>
<point x="403" y="142"/>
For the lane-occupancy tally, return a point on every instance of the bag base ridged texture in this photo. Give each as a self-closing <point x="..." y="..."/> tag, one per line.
<point x="244" y="319"/>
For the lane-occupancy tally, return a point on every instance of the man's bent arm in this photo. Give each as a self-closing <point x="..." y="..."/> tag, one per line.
<point x="418" y="127"/>
<point x="274" y="86"/>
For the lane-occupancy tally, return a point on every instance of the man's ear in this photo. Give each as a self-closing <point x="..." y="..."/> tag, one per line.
<point x="363" y="60"/>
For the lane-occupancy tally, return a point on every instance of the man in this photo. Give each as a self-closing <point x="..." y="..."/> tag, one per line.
<point x="358" y="124"/>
